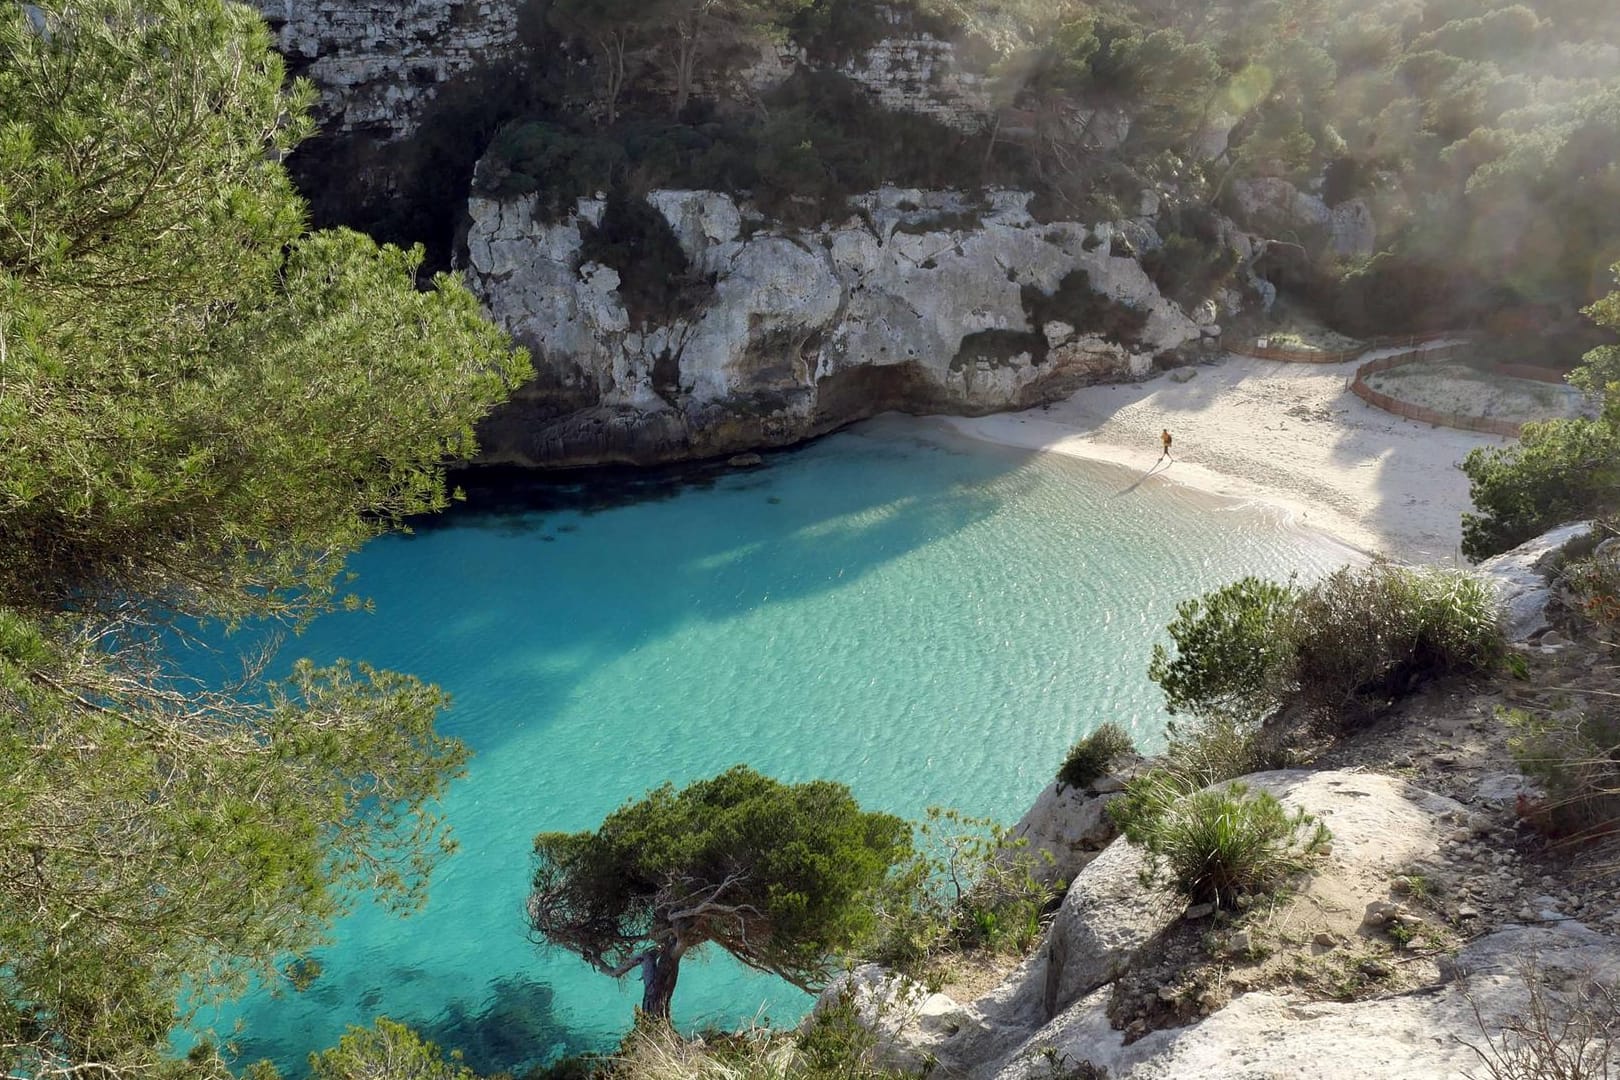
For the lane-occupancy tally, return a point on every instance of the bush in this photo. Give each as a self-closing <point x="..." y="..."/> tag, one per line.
<point x="1084" y="308"/>
<point x="1368" y="635"/>
<point x="1095" y="754"/>
<point x="1574" y="756"/>
<point x="1594" y="586"/>
<point x="1233" y="652"/>
<point x="656" y="280"/>
<point x="968" y="886"/>
<point x="1359" y="637"/>
<point x="1220" y="843"/>
<point x="1561" y="470"/>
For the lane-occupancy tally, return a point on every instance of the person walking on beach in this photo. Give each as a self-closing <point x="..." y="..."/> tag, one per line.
<point x="1164" y="437"/>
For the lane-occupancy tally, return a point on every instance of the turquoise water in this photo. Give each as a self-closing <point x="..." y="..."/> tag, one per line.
<point x="930" y="620"/>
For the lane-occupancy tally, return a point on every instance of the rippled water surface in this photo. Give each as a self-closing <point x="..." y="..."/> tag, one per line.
<point x="929" y="620"/>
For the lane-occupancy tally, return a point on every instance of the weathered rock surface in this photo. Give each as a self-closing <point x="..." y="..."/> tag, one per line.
<point x="1405" y="1037"/>
<point x="1056" y="999"/>
<point x="1521" y="578"/>
<point x="1065" y="830"/>
<point x="1273" y="202"/>
<point x="916" y="302"/>
<point x="378" y="63"/>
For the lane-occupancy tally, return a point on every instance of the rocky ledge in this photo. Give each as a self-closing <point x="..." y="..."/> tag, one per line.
<point x="918" y="301"/>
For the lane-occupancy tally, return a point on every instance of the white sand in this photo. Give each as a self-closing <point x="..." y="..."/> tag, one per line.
<point x="1290" y="435"/>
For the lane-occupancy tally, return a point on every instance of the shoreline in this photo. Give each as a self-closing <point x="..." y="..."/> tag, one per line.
<point x="1290" y="436"/>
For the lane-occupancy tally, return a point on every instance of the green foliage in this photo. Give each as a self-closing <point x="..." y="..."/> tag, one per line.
<point x="1189" y="269"/>
<point x="822" y="139"/>
<point x="1562" y="470"/>
<point x="1078" y="304"/>
<point x="1573" y="755"/>
<point x="204" y="410"/>
<point x="385" y="1051"/>
<point x="1095" y="754"/>
<point x="1354" y="639"/>
<point x="968" y="885"/>
<point x="1218" y="844"/>
<point x="1233" y="652"/>
<point x="1372" y="634"/>
<point x="656" y="280"/>
<point x="776" y="874"/>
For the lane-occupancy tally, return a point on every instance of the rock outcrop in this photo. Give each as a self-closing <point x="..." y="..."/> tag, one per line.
<point x="1522" y="576"/>
<point x="1055" y="1007"/>
<point x="1272" y="205"/>
<point x="919" y="301"/>
<point x="379" y="63"/>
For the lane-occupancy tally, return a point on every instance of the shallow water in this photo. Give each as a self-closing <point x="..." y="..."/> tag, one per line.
<point x="928" y="619"/>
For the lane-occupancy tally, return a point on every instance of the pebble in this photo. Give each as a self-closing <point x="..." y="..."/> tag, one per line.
<point x="1467" y="911"/>
<point x="1241" y="943"/>
<point x="1198" y="911"/>
<point x="1380" y="912"/>
<point x="1325" y="938"/>
<point x="1375" y="968"/>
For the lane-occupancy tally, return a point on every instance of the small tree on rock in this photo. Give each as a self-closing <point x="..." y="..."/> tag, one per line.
<point x="773" y="873"/>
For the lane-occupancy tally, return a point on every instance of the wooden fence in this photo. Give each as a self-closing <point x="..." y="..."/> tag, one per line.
<point x="1359" y="387"/>
<point x="1530" y="371"/>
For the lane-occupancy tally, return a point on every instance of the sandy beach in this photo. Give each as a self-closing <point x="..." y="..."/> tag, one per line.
<point x="1292" y="435"/>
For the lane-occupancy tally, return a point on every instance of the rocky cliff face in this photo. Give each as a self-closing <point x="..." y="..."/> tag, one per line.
<point x="920" y="301"/>
<point x="378" y="63"/>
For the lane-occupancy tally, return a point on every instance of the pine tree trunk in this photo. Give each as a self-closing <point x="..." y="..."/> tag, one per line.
<point x="658" y="980"/>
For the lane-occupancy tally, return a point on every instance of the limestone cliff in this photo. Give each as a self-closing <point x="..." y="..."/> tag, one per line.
<point x="919" y="301"/>
<point x="379" y="63"/>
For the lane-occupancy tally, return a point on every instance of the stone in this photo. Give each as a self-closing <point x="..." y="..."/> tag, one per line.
<point x="1379" y="913"/>
<point x="1182" y="374"/>
<point x="379" y="66"/>
<point x="745" y="461"/>
<point x="1467" y="911"/>
<point x="1062" y="832"/>
<point x="1240" y="943"/>
<point x="804" y="330"/>
<point x="1520" y="578"/>
<point x="904" y="1016"/>
<point x="1106" y="917"/>
<point x="1276" y="1034"/>
<point x="1325" y="938"/>
<point x="1198" y="911"/>
<point x="1378" y="969"/>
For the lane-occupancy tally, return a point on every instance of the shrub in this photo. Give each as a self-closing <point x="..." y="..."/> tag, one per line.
<point x="1559" y="471"/>
<point x="1095" y="754"/>
<point x="1574" y="756"/>
<point x="656" y="280"/>
<point x="1594" y="585"/>
<point x="1089" y="311"/>
<point x="968" y="886"/>
<point x="1570" y="1036"/>
<point x="1233" y="652"/>
<point x="1361" y="635"/>
<point x="1221" y="843"/>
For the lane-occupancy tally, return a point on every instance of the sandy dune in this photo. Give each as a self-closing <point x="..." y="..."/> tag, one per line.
<point x="1287" y="434"/>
